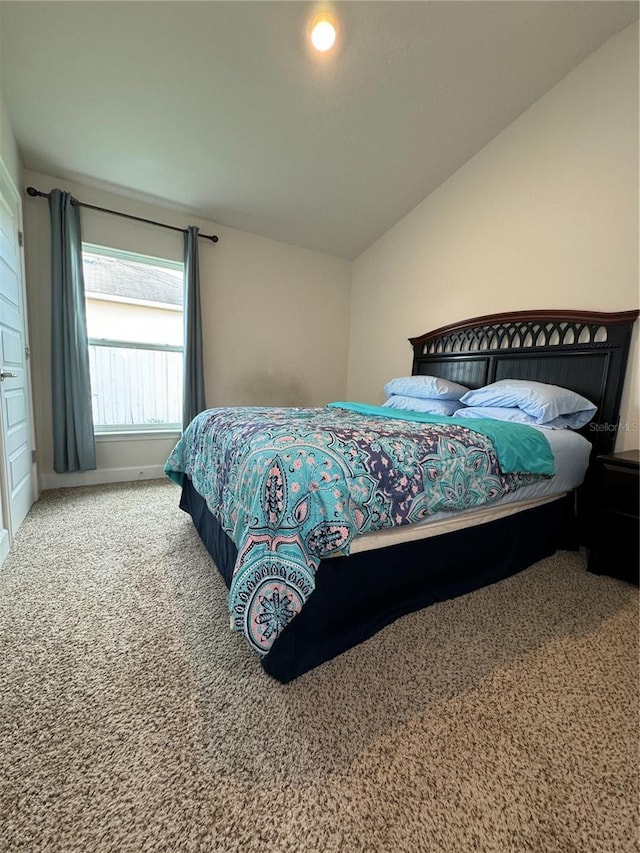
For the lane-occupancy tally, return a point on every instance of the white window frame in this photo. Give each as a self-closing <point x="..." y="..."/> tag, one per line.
<point x="121" y="432"/>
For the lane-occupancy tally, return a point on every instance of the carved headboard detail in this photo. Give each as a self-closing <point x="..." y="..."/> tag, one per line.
<point x="585" y="351"/>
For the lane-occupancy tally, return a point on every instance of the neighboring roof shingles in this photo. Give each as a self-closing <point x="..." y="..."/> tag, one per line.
<point x="131" y="280"/>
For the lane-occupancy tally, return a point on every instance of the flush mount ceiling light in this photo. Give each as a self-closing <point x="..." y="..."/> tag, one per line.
<point x="323" y="32"/>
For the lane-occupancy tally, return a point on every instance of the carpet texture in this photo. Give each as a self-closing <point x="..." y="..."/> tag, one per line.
<point x="132" y="719"/>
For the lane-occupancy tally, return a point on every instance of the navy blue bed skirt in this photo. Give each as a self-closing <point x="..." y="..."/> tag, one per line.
<point x="356" y="596"/>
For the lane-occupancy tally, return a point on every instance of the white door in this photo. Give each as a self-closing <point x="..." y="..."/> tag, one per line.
<point x="17" y="480"/>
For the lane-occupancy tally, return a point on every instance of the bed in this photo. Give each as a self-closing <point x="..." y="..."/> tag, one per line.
<point x="363" y="582"/>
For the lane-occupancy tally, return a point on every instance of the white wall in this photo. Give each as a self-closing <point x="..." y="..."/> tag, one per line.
<point x="545" y="216"/>
<point x="275" y="318"/>
<point x="8" y="147"/>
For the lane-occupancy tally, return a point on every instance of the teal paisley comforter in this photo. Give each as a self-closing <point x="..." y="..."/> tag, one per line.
<point x="293" y="486"/>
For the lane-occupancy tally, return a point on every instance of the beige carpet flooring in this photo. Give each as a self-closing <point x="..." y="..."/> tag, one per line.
<point x="132" y="719"/>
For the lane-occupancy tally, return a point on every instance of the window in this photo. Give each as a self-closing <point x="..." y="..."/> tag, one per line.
<point x="136" y="346"/>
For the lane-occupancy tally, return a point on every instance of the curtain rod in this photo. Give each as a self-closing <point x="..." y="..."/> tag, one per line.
<point x="32" y="191"/>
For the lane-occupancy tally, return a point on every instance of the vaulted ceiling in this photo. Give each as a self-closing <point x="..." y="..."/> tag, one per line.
<point x="222" y="109"/>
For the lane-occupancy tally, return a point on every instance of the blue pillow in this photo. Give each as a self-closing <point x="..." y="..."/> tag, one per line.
<point x="416" y="404"/>
<point x="514" y="415"/>
<point x="543" y="402"/>
<point x="425" y="387"/>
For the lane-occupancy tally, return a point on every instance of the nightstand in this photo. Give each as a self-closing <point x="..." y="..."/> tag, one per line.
<point x="614" y="531"/>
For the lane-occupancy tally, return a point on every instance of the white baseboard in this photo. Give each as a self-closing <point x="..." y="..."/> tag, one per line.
<point x="100" y="476"/>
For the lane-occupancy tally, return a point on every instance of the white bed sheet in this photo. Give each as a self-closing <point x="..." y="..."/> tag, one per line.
<point x="571" y="454"/>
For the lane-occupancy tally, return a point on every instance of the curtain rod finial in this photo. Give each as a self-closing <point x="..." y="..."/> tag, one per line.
<point x="32" y="191"/>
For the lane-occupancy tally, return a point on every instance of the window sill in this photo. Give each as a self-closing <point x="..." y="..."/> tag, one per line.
<point x="138" y="435"/>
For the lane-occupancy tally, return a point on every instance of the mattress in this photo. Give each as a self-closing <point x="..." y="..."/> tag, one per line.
<point x="571" y="453"/>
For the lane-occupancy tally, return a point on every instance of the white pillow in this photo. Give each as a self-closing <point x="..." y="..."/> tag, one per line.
<point x="425" y="387"/>
<point x="514" y="415"/>
<point x="543" y="402"/>
<point x="416" y="404"/>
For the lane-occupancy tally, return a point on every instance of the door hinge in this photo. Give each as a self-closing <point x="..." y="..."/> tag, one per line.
<point x="20" y="238"/>
<point x="27" y="351"/>
<point x="33" y="457"/>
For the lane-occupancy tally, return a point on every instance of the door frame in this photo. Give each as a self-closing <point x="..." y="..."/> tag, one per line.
<point x="4" y="490"/>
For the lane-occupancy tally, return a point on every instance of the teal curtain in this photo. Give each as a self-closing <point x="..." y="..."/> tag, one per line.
<point x="193" y="400"/>
<point x="74" y="446"/>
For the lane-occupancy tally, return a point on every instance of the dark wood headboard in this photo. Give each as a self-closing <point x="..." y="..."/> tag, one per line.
<point x="585" y="351"/>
